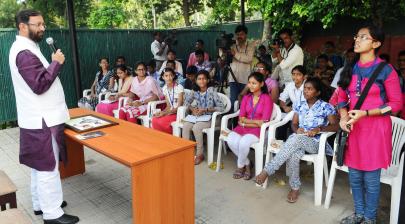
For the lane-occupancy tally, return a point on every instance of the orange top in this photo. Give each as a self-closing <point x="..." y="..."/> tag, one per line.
<point x="129" y="143"/>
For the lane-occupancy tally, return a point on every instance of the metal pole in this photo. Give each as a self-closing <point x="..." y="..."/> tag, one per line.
<point x="75" y="53"/>
<point x="242" y="12"/>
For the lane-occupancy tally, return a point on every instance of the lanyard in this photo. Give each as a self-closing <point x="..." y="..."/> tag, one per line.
<point x="171" y="97"/>
<point x="203" y="104"/>
<point x="254" y="107"/>
<point x="237" y="48"/>
<point x="360" y="78"/>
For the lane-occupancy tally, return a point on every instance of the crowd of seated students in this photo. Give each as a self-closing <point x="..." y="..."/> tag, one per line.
<point x="314" y="98"/>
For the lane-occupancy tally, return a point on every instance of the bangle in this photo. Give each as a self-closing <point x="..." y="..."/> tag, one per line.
<point x="367" y="113"/>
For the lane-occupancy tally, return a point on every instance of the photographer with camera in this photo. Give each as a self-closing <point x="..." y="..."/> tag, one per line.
<point x="159" y="50"/>
<point x="287" y="54"/>
<point x="242" y="52"/>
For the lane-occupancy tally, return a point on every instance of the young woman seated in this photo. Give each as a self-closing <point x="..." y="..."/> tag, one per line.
<point x="126" y="80"/>
<point x="255" y="109"/>
<point x="144" y="89"/>
<point x="173" y="93"/>
<point x="311" y="117"/>
<point x="202" y="103"/>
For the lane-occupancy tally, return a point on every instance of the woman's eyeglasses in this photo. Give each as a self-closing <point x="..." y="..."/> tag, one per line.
<point x="362" y="37"/>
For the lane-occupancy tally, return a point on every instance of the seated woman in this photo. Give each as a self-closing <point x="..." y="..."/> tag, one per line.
<point x="272" y="84"/>
<point x="293" y="91"/>
<point x="180" y="78"/>
<point x="173" y="93"/>
<point x="104" y="81"/>
<point x="108" y="107"/>
<point x="171" y="56"/>
<point x="255" y="109"/>
<point x="310" y="118"/>
<point x="201" y="104"/>
<point x="143" y="88"/>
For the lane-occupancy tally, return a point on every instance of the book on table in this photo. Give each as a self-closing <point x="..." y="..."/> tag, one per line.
<point x="194" y="119"/>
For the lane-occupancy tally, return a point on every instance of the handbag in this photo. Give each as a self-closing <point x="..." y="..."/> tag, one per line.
<point x="342" y="136"/>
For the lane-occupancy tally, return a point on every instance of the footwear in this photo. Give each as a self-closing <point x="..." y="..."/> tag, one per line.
<point x="293" y="196"/>
<point x="64" y="204"/>
<point x="239" y="173"/>
<point x="64" y="219"/>
<point x="369" y="221"/>
<point x="352" y="219"/>
<point x="248" y="172"/>
<point x="198" y="159"/>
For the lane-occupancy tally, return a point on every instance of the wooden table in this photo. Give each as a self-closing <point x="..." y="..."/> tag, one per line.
<point x="162" y="168"/>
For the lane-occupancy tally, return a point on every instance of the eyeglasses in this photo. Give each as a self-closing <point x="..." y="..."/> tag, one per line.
<point x="38" y="25"/>
<point x="362" y="37"/>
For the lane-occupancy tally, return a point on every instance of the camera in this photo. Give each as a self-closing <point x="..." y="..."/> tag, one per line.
<point x="278" y="41"/>
<point x="171" y="39"/>
<point x="225" y="41"/>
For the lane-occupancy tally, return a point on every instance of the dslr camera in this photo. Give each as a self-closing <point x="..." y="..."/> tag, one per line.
<point x="225" y="41"/>
<point x="278" y="41"/>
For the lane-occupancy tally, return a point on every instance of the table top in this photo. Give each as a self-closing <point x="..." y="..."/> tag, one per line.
<point x="129" y="143"/>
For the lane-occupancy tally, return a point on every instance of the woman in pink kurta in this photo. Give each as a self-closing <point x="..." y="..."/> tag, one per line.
<point x="255" y="109"/>
<point x="369" y="143"/>
<point x="143" y="87"/>
<point x="107" y="107"/>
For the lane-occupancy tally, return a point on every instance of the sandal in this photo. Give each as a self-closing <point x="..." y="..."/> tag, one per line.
<point x="198" y="159"/>
<point x="293" y="196"/>
<point x="248" y="172"/>
<point x="261" y="178"/>
<point x="239" y="173"/>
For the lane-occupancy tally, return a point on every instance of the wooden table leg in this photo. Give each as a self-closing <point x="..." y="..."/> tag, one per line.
<point x="163" y="189"/>
<point x="75" y="164"/>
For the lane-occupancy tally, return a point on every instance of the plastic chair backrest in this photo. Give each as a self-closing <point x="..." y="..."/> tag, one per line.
<point x="398" y="140"/>
<point x="276" y="113"/>
<point x="227" y="102"/>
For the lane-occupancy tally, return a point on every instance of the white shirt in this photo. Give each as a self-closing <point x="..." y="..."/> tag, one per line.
<point x="172" y="95"/>
<point x="179" y="67"/>
<point x="292" y="93"/>
<point x="155" y="47"/>
<point x="337" y="78"/>
<point x="291" y="57"/>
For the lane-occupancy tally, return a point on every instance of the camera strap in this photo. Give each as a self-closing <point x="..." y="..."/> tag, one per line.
<point x="289" y="49"/>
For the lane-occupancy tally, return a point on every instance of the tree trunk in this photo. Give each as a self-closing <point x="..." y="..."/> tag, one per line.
<point x="186" y="12"/>
<point x="266" y="30"/>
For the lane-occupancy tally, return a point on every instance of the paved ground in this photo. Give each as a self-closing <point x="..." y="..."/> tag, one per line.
<point x="102" y="194"/>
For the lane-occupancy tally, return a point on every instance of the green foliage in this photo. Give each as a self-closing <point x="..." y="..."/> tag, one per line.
<point x="55" y="12"/>
<point x="8" y="9"/>
<point x="284" y="13"/>
<point x="107" y="14"/>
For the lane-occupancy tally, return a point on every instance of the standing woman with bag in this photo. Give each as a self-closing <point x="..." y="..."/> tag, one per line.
<point x="369" y="144"/>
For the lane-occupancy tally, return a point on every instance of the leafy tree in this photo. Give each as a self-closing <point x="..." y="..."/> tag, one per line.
<point x="8" y="9"/>
<point x="55" y="11"/>
<point x="107" y="13"/>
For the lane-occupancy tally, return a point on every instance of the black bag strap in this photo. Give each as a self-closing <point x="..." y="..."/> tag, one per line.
<point x="370" y="82"/>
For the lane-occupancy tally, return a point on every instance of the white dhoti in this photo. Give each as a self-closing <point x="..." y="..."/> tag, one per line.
<point x="46" y="189"/>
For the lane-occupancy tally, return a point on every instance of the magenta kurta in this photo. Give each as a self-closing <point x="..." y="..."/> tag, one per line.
<point x="261" y="111"/>
<point x="369" y="144"/>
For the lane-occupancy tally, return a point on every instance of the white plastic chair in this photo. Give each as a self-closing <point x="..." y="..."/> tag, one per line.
<point x="319" y="159"/>
<point x="259" y="146"/>
<point x="101" y="96"/>
<point x="181" y="114"/>
<point x="391" y="176"/>
<point x="121" y="103"/>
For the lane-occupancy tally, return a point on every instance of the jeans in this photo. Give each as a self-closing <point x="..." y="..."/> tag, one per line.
<point x="235" y="89"/>
<point x="366" y="192"/>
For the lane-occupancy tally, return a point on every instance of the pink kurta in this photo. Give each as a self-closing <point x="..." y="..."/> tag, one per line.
<point x="369" y="144"/>
<point x="263" y="111"/>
